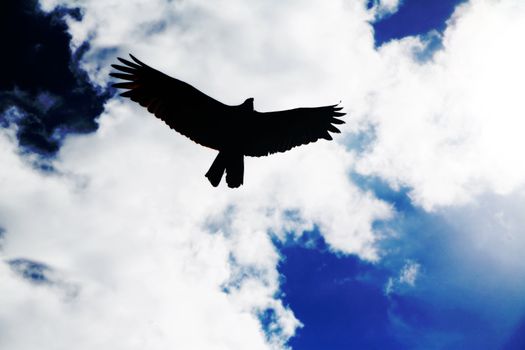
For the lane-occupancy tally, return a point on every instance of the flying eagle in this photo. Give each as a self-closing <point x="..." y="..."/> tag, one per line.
<point x="234" y="131"/>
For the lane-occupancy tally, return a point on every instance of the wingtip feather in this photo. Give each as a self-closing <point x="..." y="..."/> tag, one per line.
<point x="125" y="69"/>
<point x="136" y="60"/>
<point x="327" y="136"/>
<point x="333" y="129"/>
<point x="121" y="76"/>
<point x="128" y="63"/>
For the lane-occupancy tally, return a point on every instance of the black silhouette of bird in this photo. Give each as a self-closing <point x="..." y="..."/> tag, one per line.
<point x="235" y="131"/>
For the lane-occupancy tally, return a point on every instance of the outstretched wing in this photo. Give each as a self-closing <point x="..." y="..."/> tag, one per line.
<point x="281" y="131"/>
<point x="180" y="105"/>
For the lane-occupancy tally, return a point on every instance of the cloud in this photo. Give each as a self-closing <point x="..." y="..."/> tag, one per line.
<point x="407" y="278"/>
<point x="409" y="273"/>
<point x="450" y="128"/>
<point x="148" y="274"/>
<point x="384" y="8"/>
<point x="41" y="78"/>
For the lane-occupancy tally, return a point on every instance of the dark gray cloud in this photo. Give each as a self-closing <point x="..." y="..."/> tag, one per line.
<point x="41" y="78"/>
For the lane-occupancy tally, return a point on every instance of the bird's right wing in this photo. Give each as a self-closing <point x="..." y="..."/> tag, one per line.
<point x="280" y="131"/>
<point x="181" y="106"/>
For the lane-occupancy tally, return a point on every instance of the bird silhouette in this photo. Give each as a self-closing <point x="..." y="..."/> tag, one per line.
<point x="235" y="131"/>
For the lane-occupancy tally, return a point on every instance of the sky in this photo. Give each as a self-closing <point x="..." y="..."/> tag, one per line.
<point x="405" y="232"/>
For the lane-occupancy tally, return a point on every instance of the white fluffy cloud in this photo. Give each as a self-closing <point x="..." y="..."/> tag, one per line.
<point x="451" y="128"/>
<point x="385" y="7"/>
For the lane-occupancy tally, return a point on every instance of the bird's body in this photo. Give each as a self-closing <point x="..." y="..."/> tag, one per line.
<point x="235" y="131"/>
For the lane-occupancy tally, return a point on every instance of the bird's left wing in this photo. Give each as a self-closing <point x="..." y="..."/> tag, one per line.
<point x="280" y="131"/>
<point x="181" y="106"/>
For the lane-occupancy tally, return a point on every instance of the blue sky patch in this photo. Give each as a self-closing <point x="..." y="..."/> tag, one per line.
<point x="339" y="299"/>
<point x="453" y="303"/>
<point x="414" y="17"/>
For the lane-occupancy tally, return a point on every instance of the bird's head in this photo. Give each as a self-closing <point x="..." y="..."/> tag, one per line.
<point x="248" y="104"/>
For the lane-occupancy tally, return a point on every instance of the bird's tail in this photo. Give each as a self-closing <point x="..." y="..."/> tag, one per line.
<point x="233" y="164"/>
<point x="216" y="170"/>
<point x="234" y="170"/>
